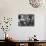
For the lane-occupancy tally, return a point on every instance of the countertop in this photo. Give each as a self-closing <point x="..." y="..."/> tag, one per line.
<point x="26" y="41"/>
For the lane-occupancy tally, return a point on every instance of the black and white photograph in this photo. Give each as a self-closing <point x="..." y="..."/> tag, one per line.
<point x="26" y="20"/>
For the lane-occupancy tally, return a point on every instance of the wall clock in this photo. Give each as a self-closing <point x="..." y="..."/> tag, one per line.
<point x="35" y="3"/>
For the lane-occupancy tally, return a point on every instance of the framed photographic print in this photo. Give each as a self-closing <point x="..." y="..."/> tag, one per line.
<point x="26" y="20"/>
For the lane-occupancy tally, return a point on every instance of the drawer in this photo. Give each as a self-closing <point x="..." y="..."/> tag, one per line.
<point x="42" y="44"/>
<point x="21" y="44"/>
<point x="25" y="44"/>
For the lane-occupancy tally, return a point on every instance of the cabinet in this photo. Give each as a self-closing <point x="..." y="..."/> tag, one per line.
<point x="23" y="43"/>
<point x="30" y="44"/>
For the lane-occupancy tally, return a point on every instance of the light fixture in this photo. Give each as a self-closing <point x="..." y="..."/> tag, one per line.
<point x="35" y="3"/>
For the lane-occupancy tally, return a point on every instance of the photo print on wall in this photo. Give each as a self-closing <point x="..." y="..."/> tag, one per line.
<point x="26" y="20"/>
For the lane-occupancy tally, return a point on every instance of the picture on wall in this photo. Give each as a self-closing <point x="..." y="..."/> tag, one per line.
<point x="26" y="20"/>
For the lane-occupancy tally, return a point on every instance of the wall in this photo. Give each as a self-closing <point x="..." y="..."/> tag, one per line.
<point x="12" y="8"/>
